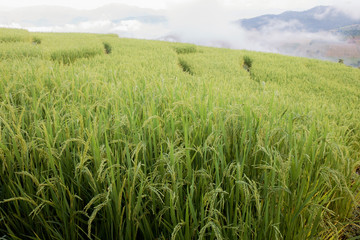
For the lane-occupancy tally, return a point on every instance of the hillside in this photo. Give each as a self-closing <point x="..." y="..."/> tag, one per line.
<point x="317" y="19"/>
<point x="109" y="138"/>
<point x="351" y="31"/>
<point x="322" y="32"/>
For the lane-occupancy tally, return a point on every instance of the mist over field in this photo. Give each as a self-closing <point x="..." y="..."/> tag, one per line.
<point x="208" y="23"/>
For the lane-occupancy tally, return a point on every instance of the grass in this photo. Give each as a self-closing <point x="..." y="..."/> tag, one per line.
<point x="131" y="146"/>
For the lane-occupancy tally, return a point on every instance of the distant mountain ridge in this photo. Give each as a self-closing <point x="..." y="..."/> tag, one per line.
<point x="349" y="31"/>
<point x="321" y="18"/>
<point x="56" y="15"/>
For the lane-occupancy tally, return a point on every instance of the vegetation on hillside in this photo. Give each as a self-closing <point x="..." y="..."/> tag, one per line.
<point x="164" y="140"/>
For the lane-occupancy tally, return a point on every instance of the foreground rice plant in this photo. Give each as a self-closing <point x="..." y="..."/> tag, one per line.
<point x="131" y="146"/>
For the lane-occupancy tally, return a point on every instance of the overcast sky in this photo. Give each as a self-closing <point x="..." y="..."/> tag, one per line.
<point x="253" y="6"/>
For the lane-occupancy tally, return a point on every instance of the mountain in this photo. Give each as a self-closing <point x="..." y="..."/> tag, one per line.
<point x="321" y="18"/>
<point x="41" y="16"/>
<point x="322" y="32"/>
<point x="125" y="12"/>
<point x="349" y="31"/>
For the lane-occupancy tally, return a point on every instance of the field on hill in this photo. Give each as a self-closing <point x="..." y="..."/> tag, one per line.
<point x="109" y="138"/>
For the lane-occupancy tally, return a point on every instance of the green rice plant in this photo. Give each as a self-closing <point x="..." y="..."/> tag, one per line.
<point x="19" y="50"/>
<point x="67" y="48"/>
<point x="14" y="35"/>
<point x="36" y="40"/>
<point x="127" y="146"/>
<point x="185" y="66"/>
<point x="69" y="56"/>
<point x="247" y="63"/>
<point x="107" y="48"/>
<point x="185" y="49"/>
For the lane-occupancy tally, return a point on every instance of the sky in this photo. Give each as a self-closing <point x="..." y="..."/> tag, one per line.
<point x="255" y="6"/>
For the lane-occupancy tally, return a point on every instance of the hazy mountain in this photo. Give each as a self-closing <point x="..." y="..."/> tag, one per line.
<point x="322" y="32"/>
<point x="121" y="11"/>
<point x="56" y="15"/>
<point x="349" y="31"/>
<point x="321" y="18"/>
<point x="39" y="15"/>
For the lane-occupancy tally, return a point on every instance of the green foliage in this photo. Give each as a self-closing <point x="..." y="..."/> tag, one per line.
<point x="185" y="49"/>
<point x="36" y="40"/>
<point x="107" y="48"/>
<point x="127" y="146"/>
<point x="185" y="66"/>
<point x="247" y="63"/>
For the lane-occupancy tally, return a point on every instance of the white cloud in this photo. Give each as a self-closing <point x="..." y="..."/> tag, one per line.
<point x="100" y="26"/>
<point x="11" y="25"/>
<point x="328" y="12"/>
<point x="351" y="8"/>
<point x="126" y="28"/>
<point x="281" y="26"/>
<point x="206" y="23"/>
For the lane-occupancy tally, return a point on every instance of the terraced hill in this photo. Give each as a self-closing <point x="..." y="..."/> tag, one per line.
<point x="108" y="138"/>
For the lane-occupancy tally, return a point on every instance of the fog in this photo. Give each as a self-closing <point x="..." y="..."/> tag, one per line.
<point x="125" y="28"/>
<point x="351" y="8"/>
<point x="207" y="22"/>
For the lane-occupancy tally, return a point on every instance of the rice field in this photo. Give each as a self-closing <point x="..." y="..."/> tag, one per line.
<point x="110" y="138"/>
